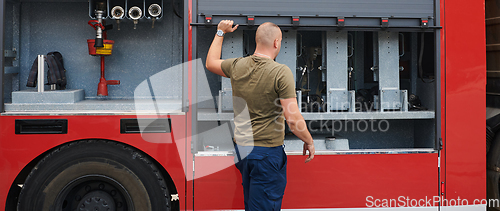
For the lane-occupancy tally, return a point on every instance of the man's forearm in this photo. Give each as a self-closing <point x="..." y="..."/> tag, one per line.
<point x="299" y="128"/>
<point x="215" y="51"/>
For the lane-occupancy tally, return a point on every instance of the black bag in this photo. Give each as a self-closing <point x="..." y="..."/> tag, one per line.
<point x="56" y="73"/>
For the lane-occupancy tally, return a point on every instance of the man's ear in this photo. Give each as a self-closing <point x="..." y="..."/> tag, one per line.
<point x="276" y="42"/>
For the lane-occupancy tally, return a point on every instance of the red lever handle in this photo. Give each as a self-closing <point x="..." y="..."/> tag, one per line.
<point x="95" y="24"/>
<point x="113" y="82"/>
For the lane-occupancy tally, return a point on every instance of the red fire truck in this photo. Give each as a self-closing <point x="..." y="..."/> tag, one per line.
<point x="393" y="92"/>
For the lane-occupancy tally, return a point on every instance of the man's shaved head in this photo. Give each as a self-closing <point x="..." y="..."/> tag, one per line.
<point x="267" y="33"/>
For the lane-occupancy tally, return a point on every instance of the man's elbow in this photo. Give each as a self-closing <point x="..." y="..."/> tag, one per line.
<point x="210" y="66"/>
<point x="207" y="64"/>
<point x="291" y="123"/>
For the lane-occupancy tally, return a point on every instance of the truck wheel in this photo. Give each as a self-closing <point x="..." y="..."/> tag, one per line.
<point x="94" y="175"/>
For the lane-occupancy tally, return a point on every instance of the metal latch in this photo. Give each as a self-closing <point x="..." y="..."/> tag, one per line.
<point x="251" y="20"/>
<point x="295" y="21"/>
<point x="208" y="20"/>
<point x="384" y="22"/>
<point x="340" y="21"/>
<point x="424" y="23"/>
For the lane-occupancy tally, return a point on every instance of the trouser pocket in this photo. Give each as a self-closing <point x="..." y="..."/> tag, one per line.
<point x="276" y="188"/>
<point x="270" y="171"/>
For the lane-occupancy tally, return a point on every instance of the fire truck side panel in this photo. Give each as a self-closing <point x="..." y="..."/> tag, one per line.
<point x="465" y="80"/>
<point x="403" y="162"/>
<point x="168" y="149"/>
<point x="330" y="181"/>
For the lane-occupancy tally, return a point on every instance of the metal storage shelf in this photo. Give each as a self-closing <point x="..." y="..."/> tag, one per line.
<point x="212" y="115"/>
<point x="332" y="152"/>
<point x="369" y="151"/>
<point x="160" y="106"/>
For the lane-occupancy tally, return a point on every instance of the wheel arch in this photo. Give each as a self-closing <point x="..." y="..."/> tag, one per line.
<point x="14" y="190"/>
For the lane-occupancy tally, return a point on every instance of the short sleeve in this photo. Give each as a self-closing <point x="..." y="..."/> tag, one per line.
<point x="227" y="66"/>
<point x="285" y="84"/>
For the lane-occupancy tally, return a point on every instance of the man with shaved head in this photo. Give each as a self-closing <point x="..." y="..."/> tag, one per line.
<point x="265" y="90"/>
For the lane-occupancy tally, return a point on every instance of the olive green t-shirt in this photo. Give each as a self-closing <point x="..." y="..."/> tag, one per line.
<point x="258" y="84"/>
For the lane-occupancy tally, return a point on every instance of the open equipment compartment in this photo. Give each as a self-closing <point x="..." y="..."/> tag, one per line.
<point x="146" y="61"/>
<point x="367" y="79"/>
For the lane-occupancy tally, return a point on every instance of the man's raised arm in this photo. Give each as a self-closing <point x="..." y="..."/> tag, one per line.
<point x="214" y="62"/>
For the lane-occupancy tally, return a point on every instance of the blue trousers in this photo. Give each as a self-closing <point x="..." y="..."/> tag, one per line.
<point x="263" y="171"/>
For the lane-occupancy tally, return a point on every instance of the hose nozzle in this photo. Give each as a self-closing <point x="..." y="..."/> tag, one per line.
<point x="154" y="11"/>
<point x="99" y="41"/>
<point x="117" y="13"/>
<point x="135" y="13"/>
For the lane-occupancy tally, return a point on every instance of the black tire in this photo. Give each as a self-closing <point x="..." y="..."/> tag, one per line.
<point x="101" y="174"/>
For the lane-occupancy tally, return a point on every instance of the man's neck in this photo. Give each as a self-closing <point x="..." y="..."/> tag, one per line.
<point x="263" y="53"/>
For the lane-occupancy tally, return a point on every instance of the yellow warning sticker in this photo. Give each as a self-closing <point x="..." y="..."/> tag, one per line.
<point x="106" y="50"/>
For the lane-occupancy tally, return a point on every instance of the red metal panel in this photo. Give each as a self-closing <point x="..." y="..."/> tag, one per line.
<point x="329" y="181"/>
<point x="217" y="184"/>
<point x="465" y="63"/>
<point x="187" y="203"/>
<point x="442" y="88"/>
<point x="18" y="150"/>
